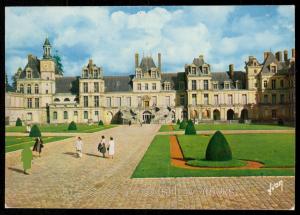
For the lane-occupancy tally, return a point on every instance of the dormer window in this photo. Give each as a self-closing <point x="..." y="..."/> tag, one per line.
<point x="273" y="69"/>
<point x="193" y="70"/>
<point x="226" y="85"/>
<point x="167" y="86"/>
<point x="205" y="70"/>
<point x="153" y="74"/>
<point x="21" y="88"/>
<point x="215" y="86"/>
<point x="29" y="74"/>
<point x="138" y="74"/>
<point x="95" y="74"/>
<point x="85" y="74"/>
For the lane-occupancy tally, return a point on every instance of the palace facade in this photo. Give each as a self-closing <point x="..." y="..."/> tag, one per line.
<point x="265" y="92"/>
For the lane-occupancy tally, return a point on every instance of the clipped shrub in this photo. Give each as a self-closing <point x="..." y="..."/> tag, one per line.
<point x="19" y="122"/>
<point x="35" y="131"/>
<point x="190" y="128"/>
<point x="72" y="126"/>
<point x="183" y="124"/>
<point x="218" y="148"/>
<point x="178" y="122"/>
<point x="100" y="123"/>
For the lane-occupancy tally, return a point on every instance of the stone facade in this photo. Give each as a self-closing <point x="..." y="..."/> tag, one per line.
<point x="265" y="92"/>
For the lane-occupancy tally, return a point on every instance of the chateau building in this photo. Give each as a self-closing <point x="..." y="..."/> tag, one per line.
<point x="265" y="92"/>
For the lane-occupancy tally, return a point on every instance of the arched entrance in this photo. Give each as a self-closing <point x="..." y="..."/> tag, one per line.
<point x="216" y="114"/>
<point x="147" y="117"/>
<point x="194" y="114"/>
<point x="230" y="114"/>
<point x="117" y="118"/>
<point x="244" y="114"/>
<point x="206" y="114"/>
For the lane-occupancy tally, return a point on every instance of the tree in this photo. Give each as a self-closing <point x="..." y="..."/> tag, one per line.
<point x="72" y="126"/>
<point x="190" y="128"/>
<point x="19" y="122"/>
<point x="178" y="122"/>
<point x="35" y="131"/>
<point x="58" y="64"/>
<point x="183" y="124"/>
<point x="218" y="148"/>
<point x="100" y="123"/>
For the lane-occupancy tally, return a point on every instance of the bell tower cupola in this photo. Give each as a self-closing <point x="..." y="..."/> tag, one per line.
<point x="47" y="49"/>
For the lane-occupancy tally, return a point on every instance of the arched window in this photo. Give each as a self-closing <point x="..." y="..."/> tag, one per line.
<point x="21" y="88"/>
<point x="36" y="89"/>
<point x="56" y="100"/>
<point x="66" y="100"/>
<point x="65" y="114"/>
<point x="265" y="84"/>
<point x="54" y="115"/>
<point x="29" y="89"/>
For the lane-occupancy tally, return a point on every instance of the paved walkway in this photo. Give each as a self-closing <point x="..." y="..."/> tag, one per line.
<point x="44" y="134"/>
<point x="234" y="132"/>
<point x="60" y="180"/>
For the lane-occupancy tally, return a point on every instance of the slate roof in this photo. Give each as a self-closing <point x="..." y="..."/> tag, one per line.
<point x="282" y="67"/>
<point x="34" y="64"/>
<point x="47" y="42"/>
<point x="173" y="78"/>
<point x="147" y="63"/>
<point x="118" y="83"/>
<point x="224" y="76"/>
<point x="67" y="85"/>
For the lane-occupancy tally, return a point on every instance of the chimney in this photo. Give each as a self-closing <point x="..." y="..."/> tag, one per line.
<point x="159" y="61"/>
<point x="293" y="53"/>
<point x="136" y="57"/>
<point x="285" y="53"/>
<point x="266" y="55"/>
<point x="279" y="56"/>
<point x="231" y="70"/>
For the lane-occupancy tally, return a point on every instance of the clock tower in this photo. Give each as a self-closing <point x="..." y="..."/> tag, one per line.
<point x="47" y="65"/>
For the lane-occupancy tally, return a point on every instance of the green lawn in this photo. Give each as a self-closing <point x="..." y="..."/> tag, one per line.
<point x="274" y="150"/>
<point x="16" y="143"/>
<point x="62" y="128"/>
<point x="235" y="126"/>
<point x="205" y="163"/>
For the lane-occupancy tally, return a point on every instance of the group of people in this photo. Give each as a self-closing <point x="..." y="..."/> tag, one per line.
<point x="103" y="147"/>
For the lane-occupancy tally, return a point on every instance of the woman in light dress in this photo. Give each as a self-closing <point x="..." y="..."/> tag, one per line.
<point x="78" y="146"/>
<point x="111" y="147"/>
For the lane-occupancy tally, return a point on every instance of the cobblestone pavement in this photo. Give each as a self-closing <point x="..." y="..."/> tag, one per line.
<point x="53" y="134"/>
<point x="292" y="131"/>
<point x="60" y="180"/>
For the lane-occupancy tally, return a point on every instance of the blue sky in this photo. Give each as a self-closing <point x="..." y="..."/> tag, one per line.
<point x="111" y="35"/>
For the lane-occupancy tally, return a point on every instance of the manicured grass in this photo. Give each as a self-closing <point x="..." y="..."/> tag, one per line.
<point x="235" y="126"/>
<point x="62" y="128"/>
<point x="274" y="150"/>
<point x="205" y="163"/>
<point x="15" y="143"/>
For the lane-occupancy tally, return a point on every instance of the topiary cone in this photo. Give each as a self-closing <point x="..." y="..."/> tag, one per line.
<point x="100" y="123"/>
<point x="218" y="148"/>
<point x="178" y="122"/>
<point x="183" y="124"/>
<point x="19" y="122"/>
<point x="72" y="126"/>
<point x="35" y="131"/>
<point x="190" y="128"/>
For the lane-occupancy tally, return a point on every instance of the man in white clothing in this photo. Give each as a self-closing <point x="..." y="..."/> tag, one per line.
<point x="78" y="146"/>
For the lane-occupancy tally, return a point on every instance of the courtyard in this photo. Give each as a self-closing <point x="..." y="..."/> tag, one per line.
<point x="60" y="180"/>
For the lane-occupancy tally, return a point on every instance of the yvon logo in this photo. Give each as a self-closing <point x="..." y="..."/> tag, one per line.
<point x="274" y="186"/>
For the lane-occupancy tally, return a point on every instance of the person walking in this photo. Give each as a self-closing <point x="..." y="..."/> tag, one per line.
<point x="38" y="145"/>
<point x="102" y="147"/>
<point x="26" y="158"/>
<point x="111" y="147"/>
<point x="78" y="146"/>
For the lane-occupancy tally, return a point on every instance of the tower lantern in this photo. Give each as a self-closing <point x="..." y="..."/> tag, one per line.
<point x="47" y="48"/>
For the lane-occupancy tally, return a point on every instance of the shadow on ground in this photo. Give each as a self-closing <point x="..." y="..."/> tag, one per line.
<point x="16" y="170"/>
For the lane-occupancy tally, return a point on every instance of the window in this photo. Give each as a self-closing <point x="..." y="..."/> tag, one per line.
<point x="29" y="89"/>
<point x="205" y="70"/>
<point x="139" y="86"/>
<point x="46" y="91"/>
<point x="146" y="86"/>
<point x="167" y="86"/>
<point x="244" y="99"/>
<point x="36" y="89"/>
<point x="128" y="101"/>
<point x="29" y="116"/>
<point x="194" y="85"/>
<point x="36" y="103"/>
<point x="237" y="85"/>
<point x="96" y="113"/>
<point x="230" y="99"/>
<point x="66" y="100"/>
<point x="194" y="99"/>
<point x="85" y="101"/>
<point x="95" y="74"/>
<point x="153" y="74"/>
<point x="281" y="98"/>
<point x="139" y="75"/>
<point x="273" y="98"/>
<point x="96" y="101"/>
<point x="206" y="99"/>
<point x="215" y="86"/>
<point x="54" y="115"/>
<point x="118" y="101"/>
<point x="205" y="84"/>
<point x="216" y="99"/>
<point x="194" y="70"/>
<point x="273" y="84"/>
<point x="273" y="69"/>
<point x="255" y="85"/>
<point x="85" y="115"/>
<point x="75" y="113"/>
<point x="265" y="84"/>
<point x="154" y="100"/>
<point x="281" y="84"/>
<point x="96" y="87"/>
<point x="255" y="71"/>
<point x="108" y="102"/>
<point x="85" y="74"/>
<point x="139" y="101"/>
<point x="28" y="74"/>
<point x="153" y="86"/>
<point x="273" y="114"/>
<point x="29" y="103"/>
<point x="56" y="100"/>
<point x="266" y="99"/>
<point x="85" y="87"/>
<point x="21" y="88"/>
<point x="167" y="100"/>
<point x="226" y="86"/>
<point x="181" y="100"/>
<point x="65" y="114"/>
